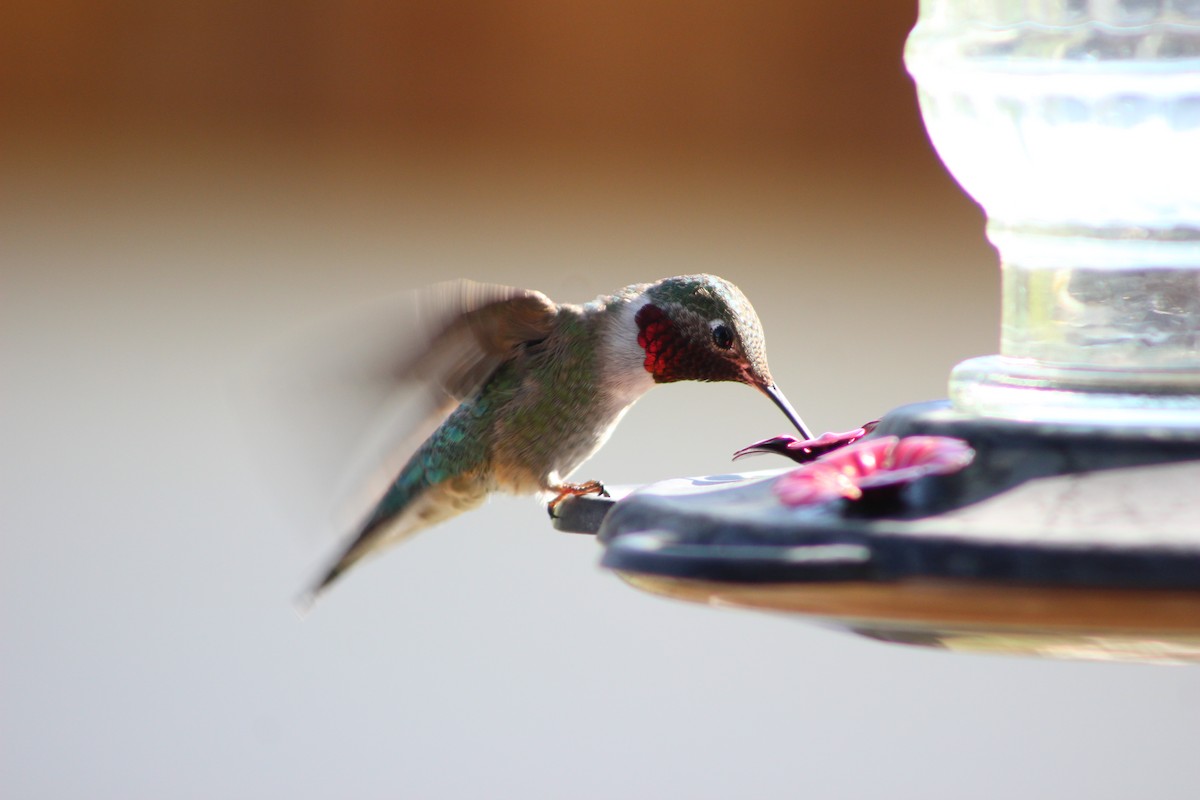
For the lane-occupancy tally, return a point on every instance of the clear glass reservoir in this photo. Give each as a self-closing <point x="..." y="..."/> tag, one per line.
<point x="1076" y="125"/>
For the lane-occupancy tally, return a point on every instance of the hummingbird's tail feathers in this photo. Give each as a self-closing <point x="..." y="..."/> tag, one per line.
<point x="384" y="451"/>
<point x="404" y="511"/>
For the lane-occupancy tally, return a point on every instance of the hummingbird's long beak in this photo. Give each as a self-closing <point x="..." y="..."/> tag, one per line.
<point x="772" y="391"/>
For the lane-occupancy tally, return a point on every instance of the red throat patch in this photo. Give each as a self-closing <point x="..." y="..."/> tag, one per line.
<point x="659" y="337"/>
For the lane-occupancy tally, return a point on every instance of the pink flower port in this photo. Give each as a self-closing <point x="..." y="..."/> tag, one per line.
<point x="888" y="461"/>
<point x="805" y="450"/>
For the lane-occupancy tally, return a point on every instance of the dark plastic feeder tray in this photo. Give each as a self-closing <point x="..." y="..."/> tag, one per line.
<point x="1060" y="541"/>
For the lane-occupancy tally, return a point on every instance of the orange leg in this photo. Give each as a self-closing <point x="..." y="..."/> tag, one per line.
<point x="574" y="490"/>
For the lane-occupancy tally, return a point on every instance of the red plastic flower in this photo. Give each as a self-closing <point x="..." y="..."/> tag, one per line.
<point x="886" y="462"/>
<point x="805" y="450"/>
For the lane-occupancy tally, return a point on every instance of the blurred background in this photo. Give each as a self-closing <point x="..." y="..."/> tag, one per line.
<point x="188" y="188"/>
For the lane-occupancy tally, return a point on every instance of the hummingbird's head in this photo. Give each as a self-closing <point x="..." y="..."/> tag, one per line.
<point x="702" y="328"/>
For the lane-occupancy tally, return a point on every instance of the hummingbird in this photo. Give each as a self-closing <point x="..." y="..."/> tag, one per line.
<point x="529" y="389"/>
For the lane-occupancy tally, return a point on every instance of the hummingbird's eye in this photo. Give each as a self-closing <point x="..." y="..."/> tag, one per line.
<point x="722" y="335"/>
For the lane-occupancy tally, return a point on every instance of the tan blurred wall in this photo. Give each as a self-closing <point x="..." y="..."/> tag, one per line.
<point x="765" y="74"/>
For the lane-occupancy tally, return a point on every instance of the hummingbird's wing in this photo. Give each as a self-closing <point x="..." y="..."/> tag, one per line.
<point x="470" y="329"/>
<point x="458" y="334"/>
<point x="333" y="408"/>
<point x="473" y="328"/>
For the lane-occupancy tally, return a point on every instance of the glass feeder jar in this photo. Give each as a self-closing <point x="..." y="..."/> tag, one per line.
<point x="1076" y="125"/>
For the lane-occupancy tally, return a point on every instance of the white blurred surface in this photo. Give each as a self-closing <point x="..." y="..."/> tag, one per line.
<point x="150" y="648"/>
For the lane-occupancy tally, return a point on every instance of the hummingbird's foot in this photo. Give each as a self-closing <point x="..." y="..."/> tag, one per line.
<point x="566" y="490"/>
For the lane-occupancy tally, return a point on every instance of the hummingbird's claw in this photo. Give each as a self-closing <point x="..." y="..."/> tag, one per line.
<point x="566" y="490"/>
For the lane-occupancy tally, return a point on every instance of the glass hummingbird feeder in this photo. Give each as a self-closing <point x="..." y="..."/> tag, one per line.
<point x="1076" y="125"/>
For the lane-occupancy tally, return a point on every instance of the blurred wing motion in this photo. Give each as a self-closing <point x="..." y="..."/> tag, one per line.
<point x="457" y="334"/>
<point x="333" y="408"/>
<point x="473" y="329"/>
